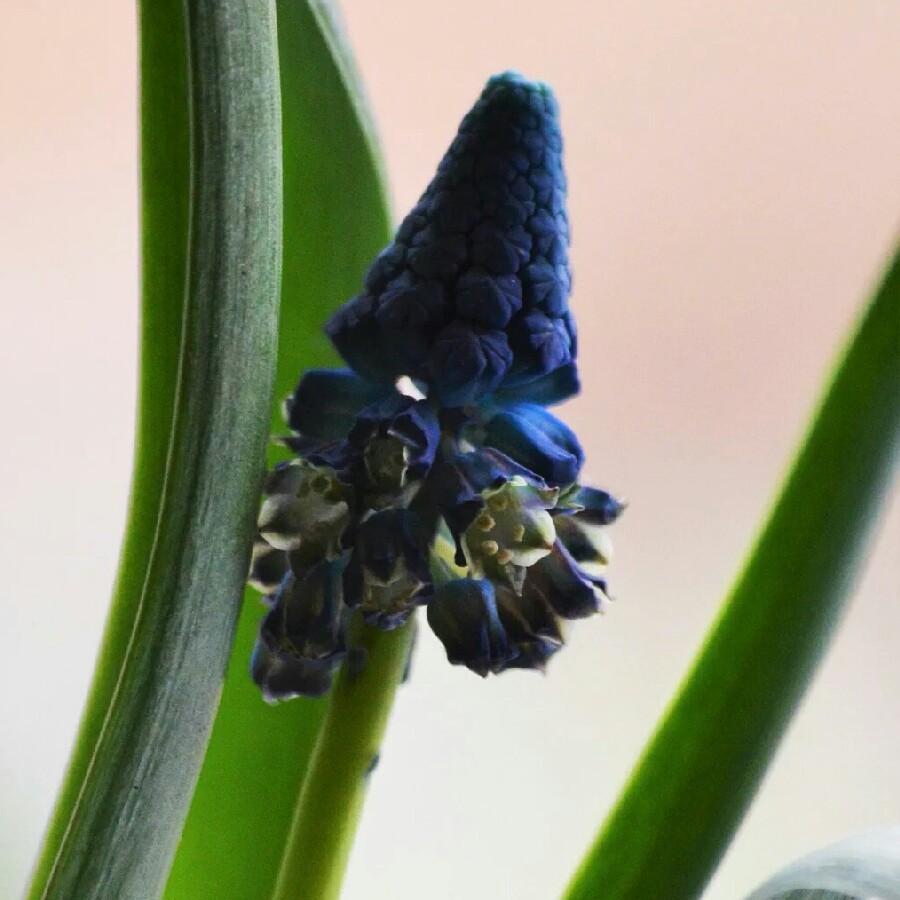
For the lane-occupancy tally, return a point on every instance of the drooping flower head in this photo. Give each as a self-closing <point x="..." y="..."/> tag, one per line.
<point x="463" y="498"/>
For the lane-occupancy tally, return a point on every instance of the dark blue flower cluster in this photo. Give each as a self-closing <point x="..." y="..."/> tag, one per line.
<point x="472" y="295"/>
<point x="430" y="472"/>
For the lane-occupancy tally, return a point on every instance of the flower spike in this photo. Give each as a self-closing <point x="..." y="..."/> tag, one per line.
<point x="466" y="498"/>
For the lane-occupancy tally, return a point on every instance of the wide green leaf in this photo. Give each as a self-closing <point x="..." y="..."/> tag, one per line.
<point x="701" y="769"/>
<point x="335" y="221"/>
<point x="211" y="242"/>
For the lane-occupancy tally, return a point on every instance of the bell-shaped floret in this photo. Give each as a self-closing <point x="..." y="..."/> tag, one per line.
<point x="538" y="440"/>
<point x="589" y="544"/>
<point x="281" y="676"/>
<point x="305" y="504"/>
<point x="547" y="390"/>
<point x="531" y="626"/>
<point x="463" y="614"/>
<point x="301" y="638"/>
<point x="394" y="442"/>
<point x="326" y="402"/>
<point x="388" y="573"/>
<point x="458" y="486"/>
<point x="565" y="586"/>
<point x="512" y="531"/>
<point x="590" y="505"/>
<point x="311" y="610"/>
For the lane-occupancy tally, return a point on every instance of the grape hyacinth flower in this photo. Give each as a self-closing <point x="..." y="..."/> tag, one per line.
<point x="429" y="472"/>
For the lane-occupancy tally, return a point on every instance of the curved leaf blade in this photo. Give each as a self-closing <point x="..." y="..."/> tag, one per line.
<point x="165" y="192"/>
<point x="701" y="769"/>
<point x="862" y="867"/>
<point x="335" y="220"/>
<point x="211" y="218"/>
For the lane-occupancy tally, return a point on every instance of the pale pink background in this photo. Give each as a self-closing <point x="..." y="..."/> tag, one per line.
<point x="735" y="187"/>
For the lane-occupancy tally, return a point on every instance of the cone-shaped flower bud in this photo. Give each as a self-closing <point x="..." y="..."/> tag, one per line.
<point x="306" y="504"/>
<point x="467" y="362"/>
<point x="545" y="342"/>
<point x="463" y="614"/>
<point x="537" y="440"/>
<point x="301" y="638"/>
<point x="388" y="573"/>
<point x="487" y="299"/>
<point x="353" y="331"/>
<point x="473" y="292"/>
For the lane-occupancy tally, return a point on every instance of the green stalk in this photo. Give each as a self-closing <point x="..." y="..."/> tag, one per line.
<point x="700" y="771"/>
<point x="331" y="800"/>
<point x="211" y="222"/>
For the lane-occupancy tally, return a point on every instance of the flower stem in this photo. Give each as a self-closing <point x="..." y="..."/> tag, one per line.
<point x="330" y="802"/>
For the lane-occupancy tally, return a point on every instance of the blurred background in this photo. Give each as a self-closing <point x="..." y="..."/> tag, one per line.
<point x="734" y="191"/>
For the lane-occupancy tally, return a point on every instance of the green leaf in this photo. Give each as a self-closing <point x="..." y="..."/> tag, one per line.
<point x="862" y="867"/>
<point x="335" y="221"/>
<point x="701" y="769"/>
<point x="211" y="222"/>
